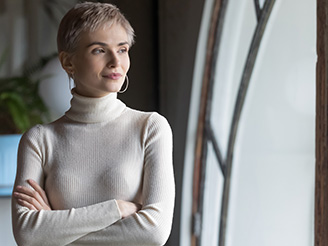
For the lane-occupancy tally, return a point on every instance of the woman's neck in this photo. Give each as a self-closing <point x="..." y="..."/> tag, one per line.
<point x="95" y="110"/>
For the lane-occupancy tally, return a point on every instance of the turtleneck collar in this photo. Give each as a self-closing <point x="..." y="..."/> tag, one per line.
<point x="95" y="110"/>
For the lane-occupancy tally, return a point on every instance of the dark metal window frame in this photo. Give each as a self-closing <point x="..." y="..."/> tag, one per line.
<point x="321" y="185"/>
<point x="205" y="133"/>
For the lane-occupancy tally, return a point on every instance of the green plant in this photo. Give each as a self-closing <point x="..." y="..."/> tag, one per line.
<point x="20" y="104"/>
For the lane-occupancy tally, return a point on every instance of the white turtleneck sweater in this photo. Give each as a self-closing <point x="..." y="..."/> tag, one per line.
<point x="99" y="151"/>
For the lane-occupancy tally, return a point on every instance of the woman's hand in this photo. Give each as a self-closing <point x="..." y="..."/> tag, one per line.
<point x="127" y="208"/>
<point x="33" y="199"/>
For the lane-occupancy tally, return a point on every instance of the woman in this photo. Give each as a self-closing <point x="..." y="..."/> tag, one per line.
<point x="102" y="174"/>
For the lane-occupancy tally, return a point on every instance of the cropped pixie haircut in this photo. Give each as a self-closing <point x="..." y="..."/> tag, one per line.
<point x="89" y="17"/>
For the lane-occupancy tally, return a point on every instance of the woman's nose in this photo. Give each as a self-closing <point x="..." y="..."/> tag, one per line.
<point x="113" y="60"/>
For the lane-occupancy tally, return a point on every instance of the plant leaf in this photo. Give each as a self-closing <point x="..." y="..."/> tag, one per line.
<point x="17" y="109"/>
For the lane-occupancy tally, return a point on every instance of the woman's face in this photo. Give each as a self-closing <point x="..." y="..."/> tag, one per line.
<point x="101" y="61"/>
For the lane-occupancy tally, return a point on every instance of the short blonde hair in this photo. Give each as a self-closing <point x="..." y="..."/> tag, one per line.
<point x="89" y="16"/>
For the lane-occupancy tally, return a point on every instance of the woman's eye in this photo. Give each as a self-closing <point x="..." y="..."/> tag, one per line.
<point x="98" y="51"/>
<point x="123" y="50"/>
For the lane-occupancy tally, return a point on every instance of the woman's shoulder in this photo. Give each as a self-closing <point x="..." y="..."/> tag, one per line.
<point x="32" y="136"/>
<point x="41" y="129"/>
<point x="33" y="131"/>
<point x="148" y="118"/>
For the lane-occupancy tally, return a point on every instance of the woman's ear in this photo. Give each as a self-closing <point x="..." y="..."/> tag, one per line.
<point x="66" y="62"/>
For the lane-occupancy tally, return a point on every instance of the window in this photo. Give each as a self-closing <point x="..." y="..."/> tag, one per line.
<point x="256" y="154"/>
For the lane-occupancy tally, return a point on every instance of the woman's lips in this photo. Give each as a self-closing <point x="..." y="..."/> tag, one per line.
<point x="113" y="76"/>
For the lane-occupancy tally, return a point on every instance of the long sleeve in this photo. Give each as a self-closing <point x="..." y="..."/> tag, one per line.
<point x="57" y="227"/>
<point x="99" y="151"/>
<point x="152" y="224"/>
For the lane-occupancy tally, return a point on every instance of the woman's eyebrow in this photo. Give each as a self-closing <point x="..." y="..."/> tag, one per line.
<point x="97" y="43"/>
<point x="123" y="43"/>
<point x="104" y="44"/>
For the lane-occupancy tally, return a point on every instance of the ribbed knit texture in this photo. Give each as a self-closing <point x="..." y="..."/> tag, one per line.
<point x="99" y="152"/>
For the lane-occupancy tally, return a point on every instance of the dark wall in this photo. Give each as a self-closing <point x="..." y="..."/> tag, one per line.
<point x="179" y="24"/>
<point x="161" y="72"/>
<point x="143" y="74"/>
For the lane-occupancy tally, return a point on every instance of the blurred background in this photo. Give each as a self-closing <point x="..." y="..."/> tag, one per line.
<point x="193" y="61"/>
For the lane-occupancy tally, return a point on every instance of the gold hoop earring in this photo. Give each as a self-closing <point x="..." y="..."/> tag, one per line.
<point x="127" y="84"/>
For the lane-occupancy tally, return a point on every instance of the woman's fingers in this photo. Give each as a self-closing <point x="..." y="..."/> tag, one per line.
<point x="28" y="194"/>
<point x="35" y="199"/>
<point x="26" y="204"/>
<point x="38" y="189"/>
<point x="26" y="199"/>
